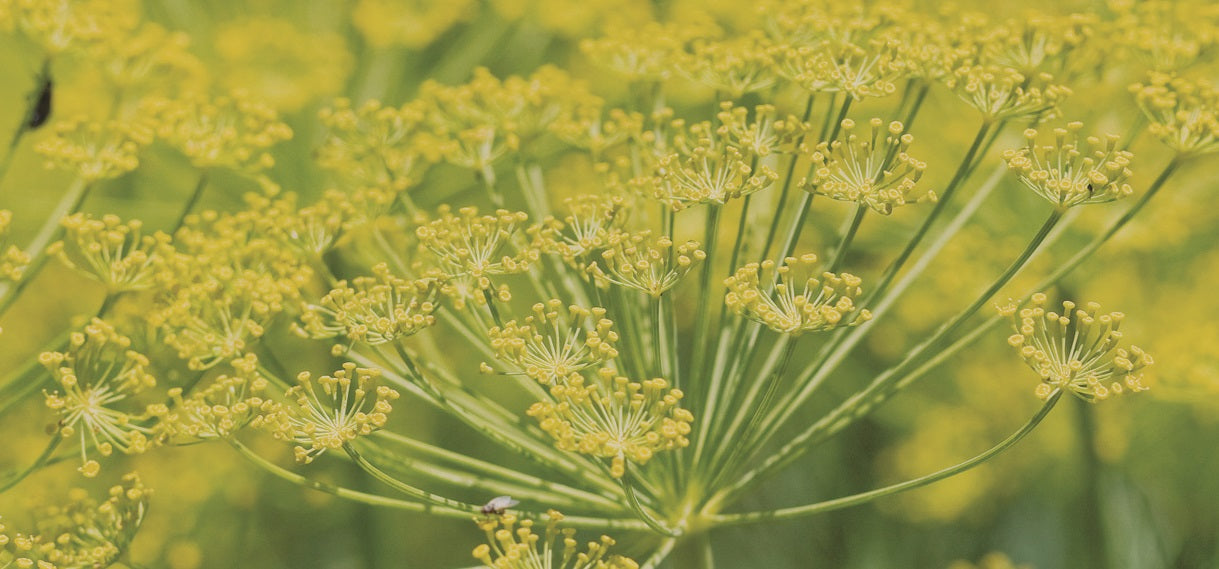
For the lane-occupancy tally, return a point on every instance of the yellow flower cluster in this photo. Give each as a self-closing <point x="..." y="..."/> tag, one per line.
<point x="587" y="227"/>
<point x="1002" y="93"/>
<point x="231" y="131"/>
<point x="870" y="170"/>
<point x="1076" y="350"/>
<point x="613" y="417"/>
<point x="555" y="342"/>
<point x="706" y="167"/>
<point x="96" y="379"/>
<point x="372" y="310"/>
<point x="82" y="533"/>
<point x="1184" y="113"/>
<point x="57" y="25"/>
<point x="374" y="145"/>
<point x="1067" y="173"/>
<point x="413" y="24"/>
<point x="476" y="246"/>
<point x="223" y="407"/>
<point x="800" y="301"/>
<point x="151" y="58"/>
<point x="95" y="150"/>
<point x="224" y="285"/>
<point x="639" y="261"/>
<point x="330" y="412"/>
<point x="513" y="544"/>
<point x="111" y="251"/>
<point x="12" y="259"/>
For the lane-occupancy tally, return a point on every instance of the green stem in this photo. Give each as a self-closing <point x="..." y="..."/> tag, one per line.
<point x="862" y="498"/>
<point x="787" y="183"/>
<point x="644" y="514"/>
<point x="710" y="231"/>
<point x="191" y="202"/>
<point x="416" y="493"/>
<point x="845" y="244"/>
<point x="38" y="463"/>
<point x="51" y="230"/>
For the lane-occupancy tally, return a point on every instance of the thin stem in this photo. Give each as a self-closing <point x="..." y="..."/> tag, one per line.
<point x="862" y="498"/>
<point x="845" y="244"/>
<point x="421" y="495"/>
<point x="787" y="183"/>
<point x="38" y="463"/>
<point x="703" y="308"/>
<point x="191" y="201"/>
<point x="51" y="230"/>
<point x="644" y="514"/>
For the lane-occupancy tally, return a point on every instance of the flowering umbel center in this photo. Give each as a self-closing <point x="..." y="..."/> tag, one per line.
<point x="1072" y="172"/>
<point x="1076" y="350"/>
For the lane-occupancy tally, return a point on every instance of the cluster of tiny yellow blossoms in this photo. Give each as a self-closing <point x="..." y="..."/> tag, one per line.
<point x="373" y="145"/>
<point x="12" y="259"/>
<point x="1002" y="93"/>
<point x="280" y="63"/>
<point x="96" y="379"/>
<point x="57" y="25"/>
<point x="373" y="310"/>
<point x="231" y="131"/>
<point x="708" y="167"/>
<point x="219" y="410"/>
<point x="647" y="263"/>
<point x="790" y="298"/>
<point x="555" y="342"/>
<point x="1182" y="112"/>
<point x="1076" y="350"/>
<point x="870" y="170"/>
<point x="476" y="246"/>
<point x="95" y="150"/>
<point x="1069" y="174"/>
<point x="81" y="533"/>
<point x="512" y="543"/>
<point x="330" y="412"/>
<point x="113" y="252"/>
<point x="610" y="416"/>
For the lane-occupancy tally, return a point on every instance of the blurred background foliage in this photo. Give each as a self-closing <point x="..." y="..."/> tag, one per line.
<point x="1132" y="483"/>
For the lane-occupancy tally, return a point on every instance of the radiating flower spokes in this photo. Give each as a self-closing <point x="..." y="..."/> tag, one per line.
<point x="645" y="263"/>
<point x="96" y="379"/>
<point x="476" y="246"/>
<point x="372" y="310"/>
<point x="1001" y="93"/>
<point x="220" y="409"/>
<point x="871" y="169"/>
<point x="555" y="341"/>
<point x="111" y="251"/>
<point x="1068" y="173"/>
<point x="1077" y="350"/>
<point x="800" y="301"/>
<point x="1184" y="113"/>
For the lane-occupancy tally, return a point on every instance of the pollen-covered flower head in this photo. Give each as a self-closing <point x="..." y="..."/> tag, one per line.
<point x="95" y="382"/>
<point x="1040" y="43"/>
<point x="593" y="129"/>
<point x="57" y="25"/>
<point x="1001" y="93"/>
<point x="326" y="413"/>
<point x="372" y="310"/>
<point x="82" y="533"/>
<point x="224" y="285"/>
<point x="1071" y="172"/>
<point x="733" y="66"/>
<point x="12" y="259"/>
<point x="479" y="122"/>
<point x="280" y="63"/>
<point x="1168" y="37"/>
<point x="228" y="131"/>
<point x="1076" y="350"/>
<point x="95" y="150"/>
<point x="705" y="167"/>
<point x="761" y="132"/>
<point x="555" y="341"/>
<point x="645" y="263"/>
<point x="861" y="70"/>
<point x="116" y="253"/>
<point x="587" y="227"/>
<point x="478" y="246"/>
<point x="224" y="406"/>
<point x="1184" y="113"/>
<point x="644" y="53"/>
<point x="512" y="543"/>
<point x="873" y="168"/>
<point x="609" y="416"/>
<point x="373" y="144"/>
<point x="801" y="300"/>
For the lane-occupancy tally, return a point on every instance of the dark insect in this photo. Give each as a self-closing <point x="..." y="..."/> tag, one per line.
<point x="1090" y="189"/>
<point x="498" y="505"/>
<point x="41" y="111"/>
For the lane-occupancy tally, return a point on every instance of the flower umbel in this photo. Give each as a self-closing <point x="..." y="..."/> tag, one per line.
<point x="95" y="150"/>
<point x="333" y="410"/>
<point x="1067" y="173"/>
<point x="800" y="302"/>
<point x="1076" y="350"/>
<point x="512" y="544"/>
<point x="645" y="263"/>
<point x="110" y="251"/>
<point x="95" y="378"/>
<point x="373" y="310"/>
<point x="555" y="342"/>
<point x="873" y="169"/>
